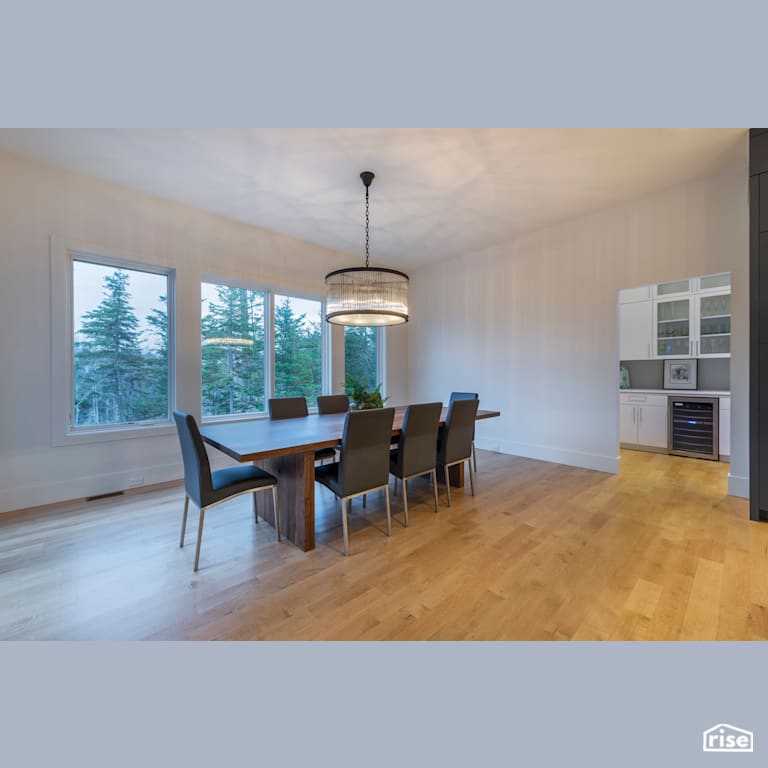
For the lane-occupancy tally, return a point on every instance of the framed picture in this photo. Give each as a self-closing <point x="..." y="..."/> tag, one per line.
<point x="680" y="374"/>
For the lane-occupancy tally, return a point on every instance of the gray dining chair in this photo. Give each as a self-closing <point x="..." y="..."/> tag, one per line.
<point x="332" y="404"/>
<point x="467" y="396"/>
<point x="363" y="466"/>
<point x="416" y="454"/>
<point x="294" y="408"/>
<point x="455" y="442"/>
<point x="207" y="489"/>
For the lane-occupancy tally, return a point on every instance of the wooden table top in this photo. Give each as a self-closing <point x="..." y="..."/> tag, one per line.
<point x="262" y="438"/>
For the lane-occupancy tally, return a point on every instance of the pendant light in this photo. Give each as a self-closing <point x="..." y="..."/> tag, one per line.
<point x="366" y="296"/>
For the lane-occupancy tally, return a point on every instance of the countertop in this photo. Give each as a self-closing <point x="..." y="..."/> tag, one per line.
<point x="677" y="392"/>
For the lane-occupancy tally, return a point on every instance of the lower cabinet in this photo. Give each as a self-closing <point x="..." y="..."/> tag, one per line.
<point x="643" y="420"/>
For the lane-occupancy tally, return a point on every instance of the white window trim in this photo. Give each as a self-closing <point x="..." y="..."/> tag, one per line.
<point x="270" y="291"/>
<point x="62" y="254"/>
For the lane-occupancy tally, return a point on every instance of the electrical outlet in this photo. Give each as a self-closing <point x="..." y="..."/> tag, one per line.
<point x="135" y="481"/>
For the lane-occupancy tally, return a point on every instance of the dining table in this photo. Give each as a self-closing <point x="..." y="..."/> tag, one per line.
<point x="286" y="449"/>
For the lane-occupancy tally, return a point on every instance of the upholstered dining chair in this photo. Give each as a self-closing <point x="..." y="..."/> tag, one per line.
<point x="467" y="396"/>
<point x="294" y="408"/>
<point x="416" y="454"/>
<point x="363" y="466"/>
<point x="454" y="445"/>
<point x="207" y="489"/>
<point x="332" y="404"/>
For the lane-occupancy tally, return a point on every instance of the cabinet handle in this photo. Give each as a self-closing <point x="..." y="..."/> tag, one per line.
<point x="697" y="349"/>
<point x="634" y="414"/>
<point x="640" y="415"/>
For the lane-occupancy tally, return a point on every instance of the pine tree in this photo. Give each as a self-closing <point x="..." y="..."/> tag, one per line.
<point x="108" y="358"/>
<point x="298" y="355"/>
<point x="360" y="353"/>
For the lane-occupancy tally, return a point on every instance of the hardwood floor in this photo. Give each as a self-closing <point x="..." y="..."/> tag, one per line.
<point x="542" y="552"/>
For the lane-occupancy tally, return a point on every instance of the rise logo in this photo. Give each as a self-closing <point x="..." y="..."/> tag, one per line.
<point x="728" y="738"/>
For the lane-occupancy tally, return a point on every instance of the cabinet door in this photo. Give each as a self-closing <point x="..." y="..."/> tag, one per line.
<point x="635" y="330"/>
<point x="652" y="426"/>
<point x="673" y="327"/>
<point x="628" y="423"/>
<point x="713" y="322"/>
<point x="635" y="294"/>
<point x="673" y="288"/>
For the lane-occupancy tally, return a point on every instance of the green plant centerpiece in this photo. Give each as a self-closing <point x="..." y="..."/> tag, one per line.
<point x="362" y="399"/>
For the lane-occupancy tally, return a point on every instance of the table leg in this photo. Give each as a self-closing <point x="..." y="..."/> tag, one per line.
<point x="455" y="473"/>
<point x="296" y="489"/>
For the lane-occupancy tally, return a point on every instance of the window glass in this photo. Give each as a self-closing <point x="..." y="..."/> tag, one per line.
<point x="120" y="345"/>
<point x="298" y="348"/>
<point x="232" y="324"/>
<point x="361" y="355"/>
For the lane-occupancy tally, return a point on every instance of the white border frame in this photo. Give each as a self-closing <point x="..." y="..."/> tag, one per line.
<point x="62" y="254"/>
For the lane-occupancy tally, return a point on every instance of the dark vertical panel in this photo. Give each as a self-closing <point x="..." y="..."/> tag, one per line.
<point x="754" y="261"/>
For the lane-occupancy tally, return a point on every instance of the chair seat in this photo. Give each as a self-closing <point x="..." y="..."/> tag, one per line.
<point x="325" y="453"/>
<point x="328" y="475"/>
<point x="233" y="480"/>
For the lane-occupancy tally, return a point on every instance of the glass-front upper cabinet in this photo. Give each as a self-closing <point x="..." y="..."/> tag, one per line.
<point x="714" y="324"/>
<point x="673" y="328"/>
<point x="674" y="288"/>
<point x="715" y="282"/>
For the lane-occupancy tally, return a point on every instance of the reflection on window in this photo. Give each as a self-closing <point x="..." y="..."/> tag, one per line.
<point x="120" y="345"/>
<point x="232" y="324"/>
<point x="361" y="355"/>
<point x="298" y="348"/>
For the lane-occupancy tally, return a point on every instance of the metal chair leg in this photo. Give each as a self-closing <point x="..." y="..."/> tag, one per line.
<point x="184" y="520"/>
<point x="395" y="486"/>
<point x="471" y="476"/>
<point x="199" y="537"/>
<point x="344" y="525"/>
<point x="448" y="486"/>
<point x="255" y="509"/>
<point x="389" y="516"/>
<point x="434" y="486"/>
<point x="277" y="510"/>
<point x="474" y="455"/>
<point x="405" y="503"/>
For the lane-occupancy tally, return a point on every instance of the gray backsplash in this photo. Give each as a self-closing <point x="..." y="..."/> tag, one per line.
<point x="714" y="373"/>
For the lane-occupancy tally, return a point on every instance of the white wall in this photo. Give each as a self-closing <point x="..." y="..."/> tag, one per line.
<point x="532" y="324"/>
<point x="38" y="201"/>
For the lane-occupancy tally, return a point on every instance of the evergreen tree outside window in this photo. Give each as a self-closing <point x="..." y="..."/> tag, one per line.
<point x="120" y="350"/>
<point x="298" y="348"/>
<point x="232" y="325"/>
<point x="361" y="355"/>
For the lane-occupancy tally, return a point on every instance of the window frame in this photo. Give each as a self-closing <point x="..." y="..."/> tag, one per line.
<point x="270" y="291"/>
<point x="64" y="432"/>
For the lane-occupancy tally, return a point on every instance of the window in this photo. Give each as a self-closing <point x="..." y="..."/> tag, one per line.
<point x="120" y="345"/>
<point x="361" y="355"/>
<point x="298" y="341"/>
<point x="233" y="344"/>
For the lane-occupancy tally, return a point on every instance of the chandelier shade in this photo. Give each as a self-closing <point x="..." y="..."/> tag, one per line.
<point x="366" y="296"/>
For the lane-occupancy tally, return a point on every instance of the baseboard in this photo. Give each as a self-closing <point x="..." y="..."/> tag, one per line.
<point x="25" y="497"/>
<point x="738" y="486"/>
<point x="579" y="459"/>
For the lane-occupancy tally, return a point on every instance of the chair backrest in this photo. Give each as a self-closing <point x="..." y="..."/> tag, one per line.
<point x="197" y="469"/>
<point x="287" y="408"/>
<point x="332" y="404"/>
<point x="462" y="396"/>
<point x="364" y="462"/>
<point x="418" y="439"/>
<point x="456" y="443"/>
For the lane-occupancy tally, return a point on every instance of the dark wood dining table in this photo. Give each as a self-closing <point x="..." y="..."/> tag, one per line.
<point x="287" y="448"/>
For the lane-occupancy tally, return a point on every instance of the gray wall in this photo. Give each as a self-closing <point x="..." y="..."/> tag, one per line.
<point x="713" y="374"/>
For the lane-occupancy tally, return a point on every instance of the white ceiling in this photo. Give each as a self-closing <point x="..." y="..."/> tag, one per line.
<point x="437" y="193"/>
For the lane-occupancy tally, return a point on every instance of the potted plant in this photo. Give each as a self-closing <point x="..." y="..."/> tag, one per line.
<point x="361" y="398"/>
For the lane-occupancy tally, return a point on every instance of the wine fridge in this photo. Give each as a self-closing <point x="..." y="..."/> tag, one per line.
<point x="693" y="427"/>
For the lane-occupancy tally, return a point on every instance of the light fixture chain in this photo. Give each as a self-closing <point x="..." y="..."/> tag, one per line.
<point x="367" y="222"/>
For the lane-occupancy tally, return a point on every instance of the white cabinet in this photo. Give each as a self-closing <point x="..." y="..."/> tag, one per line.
<point x="681" y="318"/>
<point x="643" y="420"/>
<point x="724" y="426"/>
<point x="635" y="330"/>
